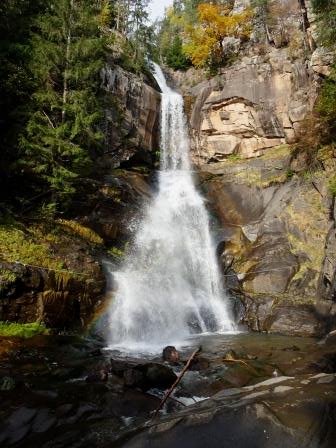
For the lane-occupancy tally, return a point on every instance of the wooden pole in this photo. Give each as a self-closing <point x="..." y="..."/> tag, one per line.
<point x="169" y="392"/>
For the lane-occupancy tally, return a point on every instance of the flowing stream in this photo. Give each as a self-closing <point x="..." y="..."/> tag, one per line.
<point x="169" y="286"/>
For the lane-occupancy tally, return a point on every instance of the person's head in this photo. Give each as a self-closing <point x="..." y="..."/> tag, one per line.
<point x="170" y="354"/>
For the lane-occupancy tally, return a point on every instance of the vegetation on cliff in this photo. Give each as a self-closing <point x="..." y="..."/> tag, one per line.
<point x="326" y="15"/>
<point x="193" y="32"/>
<point x="47" y="247"/>
<point x="318" y="135"/>
<point x="204" y="41"/>
<point x="24" y="331"/>
<point x="62" y="132"/>
<point x="51" y="101"/>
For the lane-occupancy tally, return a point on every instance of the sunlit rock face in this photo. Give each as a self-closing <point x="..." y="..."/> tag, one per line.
<point x="259" y="100"/>
<point x="252" y="106"/>
<point x="277" y="232"/>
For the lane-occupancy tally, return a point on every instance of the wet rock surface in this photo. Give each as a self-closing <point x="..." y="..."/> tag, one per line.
<point x="111" y="204"/>
<point x="277" y="413"/>
<point x="53" y="394"/>
<point x="276" y="232"/>
<point x="145" y="375"/>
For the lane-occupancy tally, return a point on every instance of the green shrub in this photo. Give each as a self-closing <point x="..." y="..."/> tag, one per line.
<point x="332" y="185"/>
<point x="175" y="57"/>
<point x="234" y="157"/>
<point x="25" y="331"/>
<point x="16" y="245"/>
<point x="326" y="105"/>
<point x="7" y="277"/>
<point x="289" y="174"/>
<point x="115" y="252"/>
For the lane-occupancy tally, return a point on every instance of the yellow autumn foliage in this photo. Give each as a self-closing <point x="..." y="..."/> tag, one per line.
<point x="203" y="40"/>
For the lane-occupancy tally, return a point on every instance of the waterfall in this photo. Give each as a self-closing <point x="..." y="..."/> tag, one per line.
<point x="169" y="286"/>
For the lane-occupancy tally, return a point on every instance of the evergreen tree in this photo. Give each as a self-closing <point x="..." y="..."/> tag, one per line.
<point x="326" y="13"/>
<point x="16" y="84"/>
<point x="63" y="130"/>
<point x="175" y="57"/>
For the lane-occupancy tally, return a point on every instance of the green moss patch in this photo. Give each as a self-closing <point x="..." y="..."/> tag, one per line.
<point x="6" y="277"/>
<point x="313" y="231"/>
<point x="116" y="252"/>
<point x="17" y="245"/>
<point x="24" y="331"/>
<point x="277" y="152"/>
<point x="332" y="185"/>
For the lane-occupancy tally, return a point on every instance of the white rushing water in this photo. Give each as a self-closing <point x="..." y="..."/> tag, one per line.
<point x="169" y="286"/>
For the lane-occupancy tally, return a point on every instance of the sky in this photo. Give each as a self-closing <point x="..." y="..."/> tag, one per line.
<point x="157" y="7"/>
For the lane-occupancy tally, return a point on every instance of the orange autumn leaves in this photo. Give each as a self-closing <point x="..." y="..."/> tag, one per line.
<point x="203" y="39"/>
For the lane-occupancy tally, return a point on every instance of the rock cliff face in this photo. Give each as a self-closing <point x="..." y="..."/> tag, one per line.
<point x="252" y="106"/>
<point x="276" y="215"/>
<point x="111" y="202"/>
<point x="278" y="231"/>
<point x="259" y="101"/>
<point x="132" y="117"/>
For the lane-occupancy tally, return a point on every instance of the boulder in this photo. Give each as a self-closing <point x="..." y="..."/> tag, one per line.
<point x="143" y="375"/>
<point x="321" y="61"/>
<point x="280" y="412"/>
<point x="59" y="299"/>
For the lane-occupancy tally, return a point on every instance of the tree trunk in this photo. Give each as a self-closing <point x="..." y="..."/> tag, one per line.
<point x="67" y="64"/>
<point x="118" y="16"/>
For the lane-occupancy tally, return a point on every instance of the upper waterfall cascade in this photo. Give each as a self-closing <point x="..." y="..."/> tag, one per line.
<point x="169" y="286"/>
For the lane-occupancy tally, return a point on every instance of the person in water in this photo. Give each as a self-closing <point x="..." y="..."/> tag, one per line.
<point x="171" y="355"/>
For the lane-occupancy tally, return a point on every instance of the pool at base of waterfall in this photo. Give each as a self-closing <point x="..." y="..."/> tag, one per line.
<point x="69" y="391"/>
<point x="150" y="350"/>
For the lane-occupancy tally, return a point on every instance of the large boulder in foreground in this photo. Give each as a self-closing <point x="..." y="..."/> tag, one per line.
<point x="278" y="412"/>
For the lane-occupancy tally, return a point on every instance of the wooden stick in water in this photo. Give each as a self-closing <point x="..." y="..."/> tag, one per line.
<point x="169" y="392"/>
